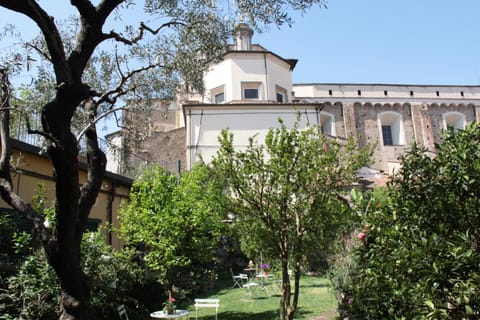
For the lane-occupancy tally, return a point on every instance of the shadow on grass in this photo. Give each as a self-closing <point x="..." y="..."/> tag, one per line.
<point x="267" y="315"/>
<point x="316" y="285"/>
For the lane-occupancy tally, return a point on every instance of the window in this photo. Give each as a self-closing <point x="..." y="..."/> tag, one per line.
<point x="279" y="97"/>
<point x="250" y="93"/>
<point x="454" y="121"/>
<point x="251" y="90"/>
<point x="387" y="135"/>
<point x="392" y="131"/>
<point x="218" y="94"/>
<point x="327" y="123"/>
<point x="220" y="97"/>
<point x="281" y="94"/>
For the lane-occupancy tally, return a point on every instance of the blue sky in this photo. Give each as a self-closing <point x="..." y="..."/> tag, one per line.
<point x="369" y="41"/>
<point x="383" y="41"/>
<point x="375" y="41"/>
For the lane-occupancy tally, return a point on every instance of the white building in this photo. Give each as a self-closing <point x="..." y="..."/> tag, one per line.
<point x="252" y="88"/>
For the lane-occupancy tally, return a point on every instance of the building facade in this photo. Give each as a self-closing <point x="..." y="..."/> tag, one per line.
<point x="252" y="88"/>
<point x="32" y="168"/>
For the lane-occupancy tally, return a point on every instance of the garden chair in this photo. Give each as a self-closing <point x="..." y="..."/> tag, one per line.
<point x="251" y="288"/>
<point x="207" y="303"/>
<point x="122" y="312"/>
<point x="239" y="279"/>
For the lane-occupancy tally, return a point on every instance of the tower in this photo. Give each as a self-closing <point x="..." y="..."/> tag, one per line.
<point x="243" y="37"/>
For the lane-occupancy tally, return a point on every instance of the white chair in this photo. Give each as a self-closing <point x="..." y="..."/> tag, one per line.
<point x="239" y="279"/>
<point x="122" y="312"/>
<point x="251" y="288"/>
<point x="207" y="303"/>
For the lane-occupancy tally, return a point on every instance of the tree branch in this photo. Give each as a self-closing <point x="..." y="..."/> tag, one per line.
<point x="96" y="161"/>
<point x="105" y="7"/>
<point x="105" y="97"/>
<point x="91" y="34"/>
<point x="32" y="10"/>
<point x="141" y="34"/>
<point x="84" y="7"/>
<point x="4" y="125"/>
<point x="94" y="121"/>
<point x="6" y="186"/>
<point x="40" y="52"/>
<point x="40" y="133"/>
<point x="347" y="199"/>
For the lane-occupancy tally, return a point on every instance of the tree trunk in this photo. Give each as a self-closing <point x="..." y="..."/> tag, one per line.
<point x="73" y="204"/>
<point x="286" y="291"/>
<point x="64" y="249"/>
<point x="296" y="291"/>
<point x="75" y="302"/>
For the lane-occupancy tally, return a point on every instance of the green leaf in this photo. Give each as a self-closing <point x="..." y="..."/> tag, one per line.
<point x="430" y="304"/>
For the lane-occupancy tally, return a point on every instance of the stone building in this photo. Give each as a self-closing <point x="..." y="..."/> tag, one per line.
<point x="251" y="88"/>
<point x="393" y="116"/>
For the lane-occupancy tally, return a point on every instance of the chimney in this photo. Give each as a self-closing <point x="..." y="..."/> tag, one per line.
<point x="243" y="37"/>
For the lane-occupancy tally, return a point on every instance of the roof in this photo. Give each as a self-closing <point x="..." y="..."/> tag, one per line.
<point x="385" y="85"/>
<point x="259" y="49"/>
<point x="26" y="147"/>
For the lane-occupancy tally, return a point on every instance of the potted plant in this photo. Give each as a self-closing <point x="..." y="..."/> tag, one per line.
<point x="265" y="267"/>
<point x="169" y="305"/>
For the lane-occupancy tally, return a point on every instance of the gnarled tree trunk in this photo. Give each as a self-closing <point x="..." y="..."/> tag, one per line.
<point x="73" y="201"/>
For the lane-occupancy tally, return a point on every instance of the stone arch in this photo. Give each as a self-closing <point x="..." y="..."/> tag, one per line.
<point x="453" y="120"/>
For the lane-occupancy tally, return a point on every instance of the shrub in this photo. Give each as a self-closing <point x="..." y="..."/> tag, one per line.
<point x="420" y="256"/>
<point x="34" y="292"/>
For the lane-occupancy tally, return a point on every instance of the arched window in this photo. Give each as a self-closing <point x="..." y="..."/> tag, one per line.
<point x="327" y="123"/>
<point x="454" y="121"/>
<point x="391" y="125"/>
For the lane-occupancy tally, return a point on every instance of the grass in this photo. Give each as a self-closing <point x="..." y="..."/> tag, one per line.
<point x="315" y="298"/>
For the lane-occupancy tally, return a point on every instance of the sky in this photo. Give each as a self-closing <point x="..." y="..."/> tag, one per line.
<point x="383" y="41"/>
<point x="374" y="41"/>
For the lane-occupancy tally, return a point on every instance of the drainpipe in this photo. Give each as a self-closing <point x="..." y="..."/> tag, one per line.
<point x="189" y="147"/>
<point x="111" y="198"/>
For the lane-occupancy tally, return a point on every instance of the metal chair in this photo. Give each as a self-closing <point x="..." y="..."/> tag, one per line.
<point x="238" y="280"/>
<point x="122" y="312"/>
<point x="251" y="289"/>
<point x="207" y="303"/>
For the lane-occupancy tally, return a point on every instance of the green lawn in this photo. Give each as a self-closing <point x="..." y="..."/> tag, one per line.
<point x="315" y="297"/>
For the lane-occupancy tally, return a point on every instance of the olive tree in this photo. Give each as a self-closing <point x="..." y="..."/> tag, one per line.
<point x="91" y="69"/>
<point x="287" y="194"/>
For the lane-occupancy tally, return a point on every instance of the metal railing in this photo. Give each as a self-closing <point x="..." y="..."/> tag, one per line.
<point x="130" y="165"/>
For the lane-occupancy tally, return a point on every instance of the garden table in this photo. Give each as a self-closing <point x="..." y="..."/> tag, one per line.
<point x="250" y="272"/>
<point x="264" y="276"/>
<point x="176" y="315"/>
